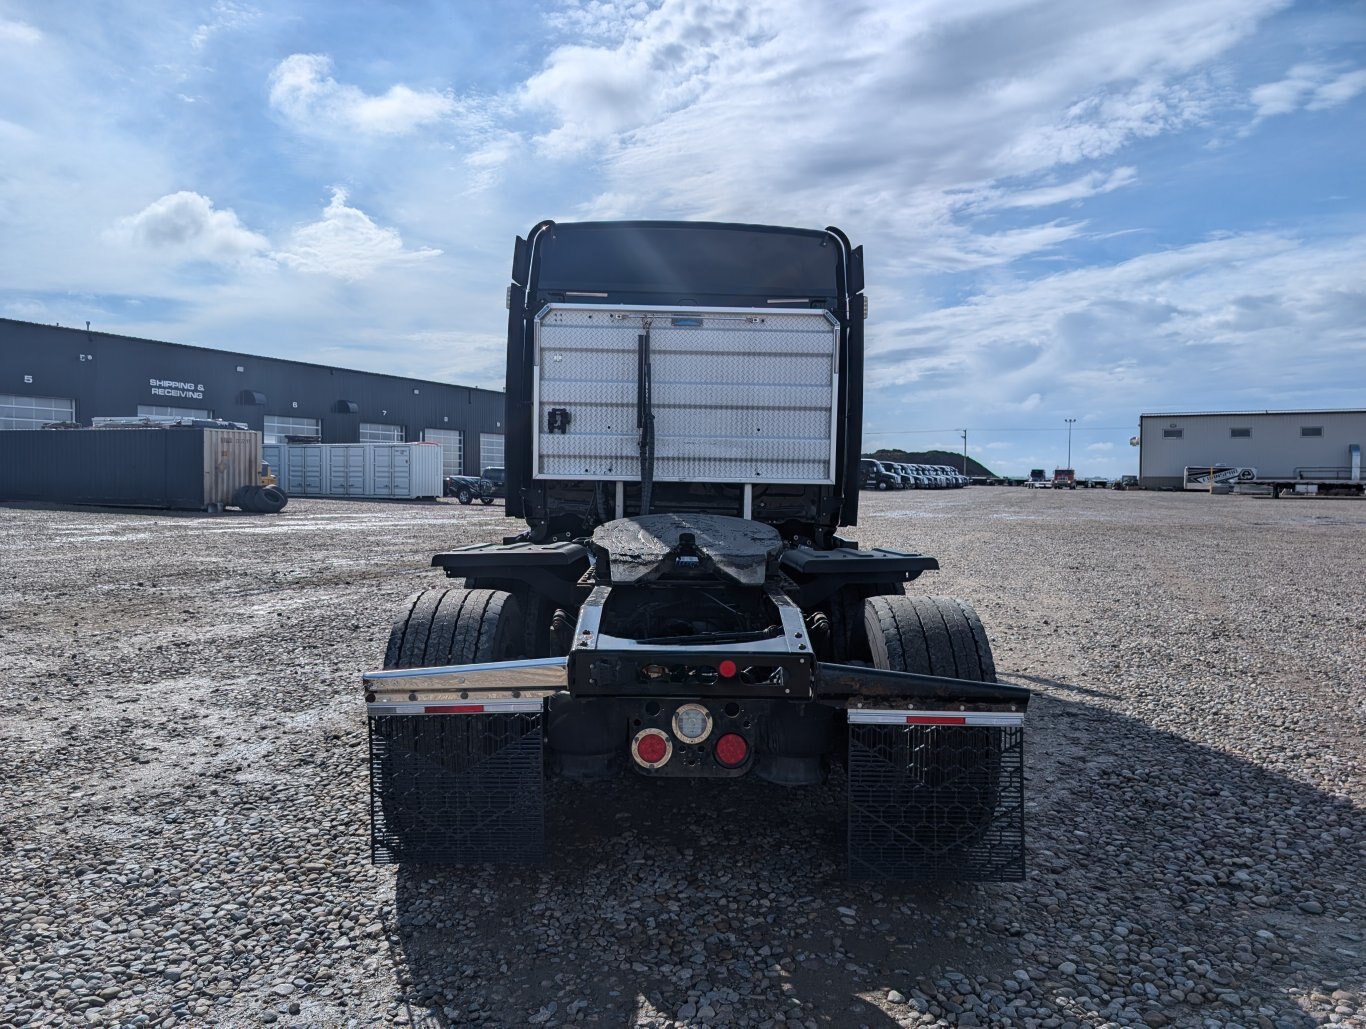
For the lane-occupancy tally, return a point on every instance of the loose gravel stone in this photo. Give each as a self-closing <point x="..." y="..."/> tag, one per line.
<point x="184" y="810"/>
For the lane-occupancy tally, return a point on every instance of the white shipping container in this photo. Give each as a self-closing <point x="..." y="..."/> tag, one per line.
<point x="277" y="456"/>
<point x="305" y="463"/>
<point x="348" y="467"/>
<point x="393" y="471"/>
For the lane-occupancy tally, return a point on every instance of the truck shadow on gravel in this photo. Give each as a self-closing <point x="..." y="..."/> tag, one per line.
<point x="1167" y="881"/>
<point x="661" y="899"/>
<point x="1020" y="679"/>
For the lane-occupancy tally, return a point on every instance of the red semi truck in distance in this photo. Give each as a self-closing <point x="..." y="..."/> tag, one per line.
<point x="683" y="429"/>
<point x="1064" y="478"/>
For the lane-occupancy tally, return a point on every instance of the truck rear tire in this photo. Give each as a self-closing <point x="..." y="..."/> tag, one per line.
<point x="456" y="788"/>
<point x="926" y="808"/>
<point x="454" y="626"/>
<point x="464" y="495"/>
<point x="929" y="635"/>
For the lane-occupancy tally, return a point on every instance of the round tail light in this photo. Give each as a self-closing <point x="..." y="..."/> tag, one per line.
<point x="727" y="669"/>
<point x="731" y="750"/>
<point x="692" y="723"/>
<point x="651" y="748"/>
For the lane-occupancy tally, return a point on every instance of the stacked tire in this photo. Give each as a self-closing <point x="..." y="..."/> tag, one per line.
<point x="260" y="499"/>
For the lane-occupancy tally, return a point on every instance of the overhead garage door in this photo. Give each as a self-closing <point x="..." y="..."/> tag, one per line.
<point x="452" y="449"/>
<point x="490" y="450"/>
<point x="17" y="412"/>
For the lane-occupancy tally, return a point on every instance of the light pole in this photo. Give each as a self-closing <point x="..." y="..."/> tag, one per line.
<point x="965" y="452"/>
<point x="1069" y="422"/>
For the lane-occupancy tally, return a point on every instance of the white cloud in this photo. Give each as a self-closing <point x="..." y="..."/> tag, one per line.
<point x="713" y="110"/>
<point x="303" y="90"/>
<point x="19" y="32"/>
<point x="667" y="59"/>
<point x="597" y="19"/>
<point x="26" y="311"/>
<point x="343" y="244"/>
<point x="1252" y="317"/>
<point x="951" y="247"/>
<point x="227" y="17"/>
<point x="188" y="227"/>
<point x="346" y="244"/>
<point x="490" y="157"/>
<point x="1089" y="185"/>
<point x="1338" y="90"/>
<point x="1314" y="87"/>
<point x="1099" y="125"/>
<point x="1099" y="447"/>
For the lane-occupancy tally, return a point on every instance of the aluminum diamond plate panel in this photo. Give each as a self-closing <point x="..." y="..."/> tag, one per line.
<point x="737" y="395"/>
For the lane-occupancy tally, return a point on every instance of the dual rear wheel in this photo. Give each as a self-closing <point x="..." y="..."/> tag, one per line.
<point x="929" y="635"/>
<point x="924" y="800"/>
<point x="454" y="626"/>
<point x="456" y="788"/>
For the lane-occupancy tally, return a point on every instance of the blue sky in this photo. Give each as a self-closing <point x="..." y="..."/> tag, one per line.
<point x="1084" y="209"/>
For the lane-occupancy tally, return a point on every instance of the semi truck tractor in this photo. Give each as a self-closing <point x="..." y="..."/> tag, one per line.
<point x="684" y="405"/>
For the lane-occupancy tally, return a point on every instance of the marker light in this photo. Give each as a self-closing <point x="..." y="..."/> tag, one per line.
<point x="727" y="669"/>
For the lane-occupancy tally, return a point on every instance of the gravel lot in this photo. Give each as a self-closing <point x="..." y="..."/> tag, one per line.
<point x="184" y="828"/>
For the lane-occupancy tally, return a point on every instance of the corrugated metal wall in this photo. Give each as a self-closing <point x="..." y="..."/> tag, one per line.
<point x="183" y="468"/>
<point x="104" y="374"/>
<point x="232" y="459"/>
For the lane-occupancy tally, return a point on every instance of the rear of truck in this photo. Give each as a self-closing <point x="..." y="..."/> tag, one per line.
<point x="683" y="432"/>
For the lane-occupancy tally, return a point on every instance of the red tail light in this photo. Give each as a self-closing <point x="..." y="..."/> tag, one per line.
<point x="727" y="669"/>
<point x="651" y="748"/>
<point x="731" y="750"/>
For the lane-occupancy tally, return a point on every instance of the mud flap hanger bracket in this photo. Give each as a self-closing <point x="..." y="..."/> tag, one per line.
<point x="854" y="686"/>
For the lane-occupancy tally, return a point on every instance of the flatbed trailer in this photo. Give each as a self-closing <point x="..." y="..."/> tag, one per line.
<point x="1310" y="485"/>
<point x="1307" y="481"/>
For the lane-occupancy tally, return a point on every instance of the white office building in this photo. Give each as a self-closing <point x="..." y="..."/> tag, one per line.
<point x="1278" y="444"/>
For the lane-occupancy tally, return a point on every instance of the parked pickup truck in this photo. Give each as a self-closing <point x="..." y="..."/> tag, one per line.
<point x="466" y="488"/>
<point x="497" y="476"/>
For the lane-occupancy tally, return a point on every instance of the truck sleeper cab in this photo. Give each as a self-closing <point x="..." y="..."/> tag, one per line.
<point x="908" y="479"/>
<point x="683" y="420"/>
<point x="876" y="475"/>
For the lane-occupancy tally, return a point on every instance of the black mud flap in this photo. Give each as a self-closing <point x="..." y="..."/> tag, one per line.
<point x="936" y="795"/>
<point x="457" y="787"/>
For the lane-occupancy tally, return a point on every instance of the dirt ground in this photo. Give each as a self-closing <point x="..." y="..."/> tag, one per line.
<point x="184" y="800"/>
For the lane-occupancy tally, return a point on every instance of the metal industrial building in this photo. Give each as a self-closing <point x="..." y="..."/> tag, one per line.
<point x="1279" y="444"/>
<point x="51" y="373"/>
